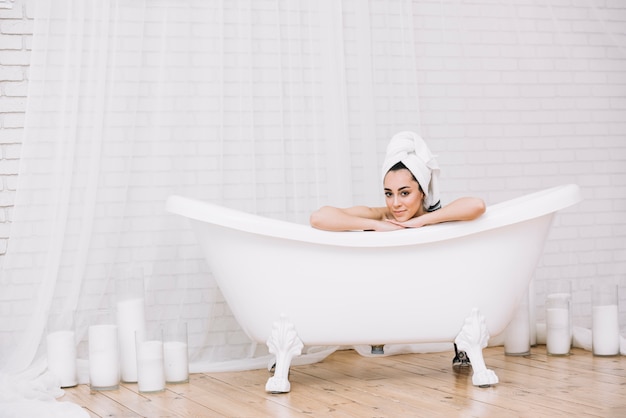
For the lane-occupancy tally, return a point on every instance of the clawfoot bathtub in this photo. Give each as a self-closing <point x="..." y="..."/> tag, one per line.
<point x="289" y="284"/>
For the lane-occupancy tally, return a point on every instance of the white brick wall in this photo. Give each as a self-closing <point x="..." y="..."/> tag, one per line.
<point x="529" y="94"/>
<point x="514" y="96"/>
<point x="15" y="36"/>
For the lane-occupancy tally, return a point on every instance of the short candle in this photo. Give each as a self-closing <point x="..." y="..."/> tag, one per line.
<point x="61" y="354"/>
<point x="605" y="330"/>
<point x="103" y="357"/>
<point x="176" y="361"/>
<point x="558" y="336"/>
<point x="150" y="373"/>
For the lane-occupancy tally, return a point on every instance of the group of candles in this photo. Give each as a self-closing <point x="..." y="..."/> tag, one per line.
<point x="126" y="351"/>
<point x="123" y="350"/>
<point x="605" y="332"/>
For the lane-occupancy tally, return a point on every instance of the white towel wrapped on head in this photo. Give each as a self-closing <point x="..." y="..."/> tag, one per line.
<point x="410" y="149"/>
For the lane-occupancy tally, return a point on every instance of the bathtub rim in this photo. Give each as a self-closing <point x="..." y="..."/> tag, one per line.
<point x="519" y="209"/>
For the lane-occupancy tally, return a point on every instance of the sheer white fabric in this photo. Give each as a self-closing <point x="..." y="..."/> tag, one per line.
<point x="272" y="107"/>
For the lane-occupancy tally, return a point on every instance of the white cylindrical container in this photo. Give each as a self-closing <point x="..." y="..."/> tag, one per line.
<point x="541" y="333"/>
<point x="175" y="353"/>
<point x="558" y="324"/>
<point x="150" y="367"/>
<point x="129" y="289"/>
<point x="517" y="338"/>
<point x="130" y="319"/>
<point x="61" y="356"/>
<point x="532" y="314"/>
<point x="104" y="365"/>
<point x="605" y="320"/>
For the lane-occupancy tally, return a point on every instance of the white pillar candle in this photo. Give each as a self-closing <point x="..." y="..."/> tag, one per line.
<point x="532" y="315"/>
<point x="61" y="355"/>
<point x="558" y="324"/>
<point x="605" y="330"/>
<point x="541" y="333"/>
<point x="517" y="337"/>
<point x="103" y="357"/>
<point x="150" y="371"/>
<point x="176" y="361"/>
<point x="130" y="319"/>
<point x="517" y="340"/>
<point x="558" y="335"/>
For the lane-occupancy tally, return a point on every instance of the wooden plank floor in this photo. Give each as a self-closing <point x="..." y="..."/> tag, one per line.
<point x="410" y="385"/>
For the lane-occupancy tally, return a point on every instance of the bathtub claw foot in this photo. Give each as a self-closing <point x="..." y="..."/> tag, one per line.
<point x="472" y="339"/>
<point x="275" y="385"/>
<point x="484" y="379"/>
<point x="284" y="343"/>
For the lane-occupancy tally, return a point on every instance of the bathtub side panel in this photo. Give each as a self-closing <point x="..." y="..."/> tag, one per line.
<point x="344" y="295"/>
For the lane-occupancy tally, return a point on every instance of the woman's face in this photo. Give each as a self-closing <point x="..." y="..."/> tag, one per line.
<point x="403" y="195"/>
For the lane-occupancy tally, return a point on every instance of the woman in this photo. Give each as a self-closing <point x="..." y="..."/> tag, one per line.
<point x="410" y="180"/>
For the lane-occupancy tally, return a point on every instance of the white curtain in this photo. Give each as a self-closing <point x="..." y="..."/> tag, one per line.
<point x="272" y="107"/>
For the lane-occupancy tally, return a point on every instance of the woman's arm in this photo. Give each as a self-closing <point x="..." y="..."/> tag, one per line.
<point x="462" y="209"/>
<point x="357" y="218"/>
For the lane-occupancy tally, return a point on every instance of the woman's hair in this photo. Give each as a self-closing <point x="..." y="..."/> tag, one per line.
<point x="400" y="166"/>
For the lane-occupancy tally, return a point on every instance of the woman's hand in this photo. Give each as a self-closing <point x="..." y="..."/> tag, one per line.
<point x="417" y="222"/>
<point x="463" y="209"/>
<point x="388" y="225"/>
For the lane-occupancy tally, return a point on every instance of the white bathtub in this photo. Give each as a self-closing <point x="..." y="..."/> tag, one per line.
<point x="289" y="284"/>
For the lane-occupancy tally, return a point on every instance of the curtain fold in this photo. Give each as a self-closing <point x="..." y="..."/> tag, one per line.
<point x="270" y="107"/>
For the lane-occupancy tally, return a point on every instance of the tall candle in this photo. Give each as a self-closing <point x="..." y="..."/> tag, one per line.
<point x="541" y="333"/>
<point x="130" y="319"/>
<point x="517" y="340"/>
<point x="176" y="361"/>
<point x="103" y="357"/>
<point x="605" y="330"/>
<point x="517" y="337"/>
<point x="532" y="315"/>
<point x="605" y="338"/>
<point x="61" y="355"/>
<point x="150" y="372"/>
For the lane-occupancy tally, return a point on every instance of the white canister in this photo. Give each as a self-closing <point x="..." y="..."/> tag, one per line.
<point x="517" y="337"/>
<point x="104" y="365"/>
<point x="605" y="320"/>
<point x="130" y="319"/>
<point x="61" y="356"/>
<point x="150" y="366"/>
<point x="558" y="324"/>
<point x="175" y="353"/>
